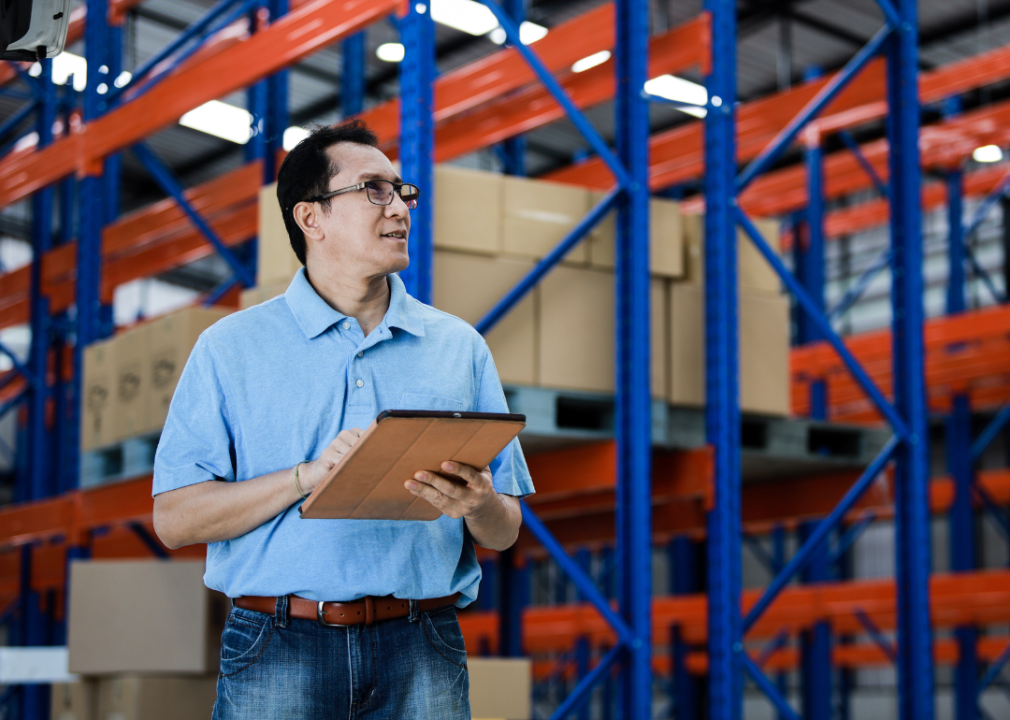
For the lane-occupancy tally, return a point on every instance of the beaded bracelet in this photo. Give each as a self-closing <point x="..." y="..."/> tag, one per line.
<point x="297" y="486"/>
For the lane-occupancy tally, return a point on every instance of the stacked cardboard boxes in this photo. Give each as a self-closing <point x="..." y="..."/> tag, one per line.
<point x="130" y="378"/>
<point x="145" y="638"/>
<point x="490" y="230"/>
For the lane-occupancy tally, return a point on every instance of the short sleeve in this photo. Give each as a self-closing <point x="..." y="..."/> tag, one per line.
<point x="196" y="444"/>
<point x="510" y="474"/>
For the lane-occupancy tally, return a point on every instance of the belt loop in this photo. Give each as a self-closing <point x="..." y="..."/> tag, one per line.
<point x="369" y="609"/>
<point x="282" y="611"/>
<point x="415" y="613"/>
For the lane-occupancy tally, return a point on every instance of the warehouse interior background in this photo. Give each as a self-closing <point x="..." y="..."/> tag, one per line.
<point x="833" y="646"/>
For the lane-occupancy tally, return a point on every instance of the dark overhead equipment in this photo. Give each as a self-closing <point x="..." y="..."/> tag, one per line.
<point x="33" y="29"/>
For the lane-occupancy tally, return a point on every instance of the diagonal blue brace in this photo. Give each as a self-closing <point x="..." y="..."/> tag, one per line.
<point x="582" y="581"/>
<point x="805" y="553"/>
<point x="857" y="289"/>
<point x="762" y="555"/>
<point x="164" y="176"/>
<point x="850" y="536"/>
<point x="981" y="273"/>
<point x="810" y="306"/>
<point x="198" y="31"/>
<point x="772" y="647"/>
<point x="994" y="669"/>
<point x="767" y="687"/>
<point x="545" y="76"/>
<point x="991" y="431"/>
<point x="531" y="278"/>
<point x="34" y="84"/>
<point x="18" y="365"/>
<point x="580" y="695"/>
<point x="857" y="152"/>
<point x="17" y="118"/>
<point x="785" y="138"/>
<point x="886" y="646"/>
<point x="217" y="293"/>
<point x="995" y="513"/>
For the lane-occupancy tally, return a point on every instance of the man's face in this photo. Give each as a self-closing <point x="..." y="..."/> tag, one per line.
<point x="362" y="239"/>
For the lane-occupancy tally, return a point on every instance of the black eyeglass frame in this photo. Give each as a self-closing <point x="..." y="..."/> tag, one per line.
<point x="397" y="191"/>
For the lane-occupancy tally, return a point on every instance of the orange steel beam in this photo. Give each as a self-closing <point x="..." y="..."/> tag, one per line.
<point x="978" y="598"/>
<point x="237" y="65"/>
<point x="676" y="155"/>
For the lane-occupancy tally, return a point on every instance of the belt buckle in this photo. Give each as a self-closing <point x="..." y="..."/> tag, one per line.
<point x="321" y="616"/>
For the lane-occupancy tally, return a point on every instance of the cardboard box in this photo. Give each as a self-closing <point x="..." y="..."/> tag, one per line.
<point x="538" y="215"/>
<point x="99" y="374"/>
<point x="500" y="688"/>
<point x="156" y="698"/>
<point x="76" y="700"/>
<point x="764" y="350"/>
<point x="275" y="260"/>
<point x="143" y="616"/>
<point x="468" y="209"/>
<point x="755" y="274"/>
<point x="169" y="341"/>
<point x="467" y="286"/>
<point x="666" y="239"/>
<point x="253" y="296"/>
<point x="577" y="334"/>
<point x="132" y="387"/>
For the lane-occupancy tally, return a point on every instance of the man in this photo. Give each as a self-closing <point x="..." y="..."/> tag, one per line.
<point x="334" y="618"/>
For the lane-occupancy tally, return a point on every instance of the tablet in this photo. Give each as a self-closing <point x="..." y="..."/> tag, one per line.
<point x="367" y="484"/>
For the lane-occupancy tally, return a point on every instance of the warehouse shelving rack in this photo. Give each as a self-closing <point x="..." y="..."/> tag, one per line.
<point x="220" y="210"/>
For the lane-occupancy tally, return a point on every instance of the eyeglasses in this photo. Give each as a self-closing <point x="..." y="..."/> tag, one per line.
<point x="380" y="192"/>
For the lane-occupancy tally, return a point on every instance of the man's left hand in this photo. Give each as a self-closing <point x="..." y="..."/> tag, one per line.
<point x="456" y="499"/>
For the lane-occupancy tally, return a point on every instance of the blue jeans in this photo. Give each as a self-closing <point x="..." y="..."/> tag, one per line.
<point x="273" y="667"/>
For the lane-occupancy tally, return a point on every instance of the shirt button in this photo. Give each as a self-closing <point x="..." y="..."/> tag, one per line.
<point x="361" y="354"/>
<point x="360" y="383"/>
<point x="346" y="325"/>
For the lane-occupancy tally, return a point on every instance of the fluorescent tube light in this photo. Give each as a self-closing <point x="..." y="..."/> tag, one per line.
<point x="294" y="135"/>
<point x="220" y="120"/>
<point x="466" y="15"/>
<point x="591" y="61"/>
<point x="124" y="77"/>
<point x="680" y="90"/>
<point x="64" y="65"/>
<point x="390" y="52"/>
<point x="987" y="154"/>
<point x="529" y="33"/>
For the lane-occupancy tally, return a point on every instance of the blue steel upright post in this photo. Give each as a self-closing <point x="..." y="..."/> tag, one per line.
<point x="722" y="397"/>
<point x="513" y="150"/>
<point x="352" y="75"/>
<point x="276" y="105"/>
<point x="93" y="211"/>
<point x="417" y="141"/>
<point x="915" y="649"/>
<point x="810" y="254"/>
<point x="634" y="434"/>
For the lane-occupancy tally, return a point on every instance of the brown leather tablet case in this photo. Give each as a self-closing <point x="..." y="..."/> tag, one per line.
<point x="368" y="483"/>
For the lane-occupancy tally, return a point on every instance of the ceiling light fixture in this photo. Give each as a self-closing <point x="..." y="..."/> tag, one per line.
<point x="987" y="154"/>
<point x="220" y="120"/>
<point x="64" y="65"/>
<point x="390" y="52"/>
<point x="465" y="15"/>
<point x="678" y="89"/>
<point x="294" y="135"/>
<point x="529" y="33"/>
<point x="591" y="61"/>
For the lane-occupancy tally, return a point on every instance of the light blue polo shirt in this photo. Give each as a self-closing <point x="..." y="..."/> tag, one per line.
<point x="273" y="385"/>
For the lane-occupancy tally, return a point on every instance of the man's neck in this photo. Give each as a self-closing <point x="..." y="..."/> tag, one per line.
<point x="364" y="299"/>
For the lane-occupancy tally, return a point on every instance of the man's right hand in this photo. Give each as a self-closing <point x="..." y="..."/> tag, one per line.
<point x="310" y="474"/>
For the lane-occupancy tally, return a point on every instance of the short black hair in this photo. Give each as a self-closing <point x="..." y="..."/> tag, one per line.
<point x="307" y="170"/>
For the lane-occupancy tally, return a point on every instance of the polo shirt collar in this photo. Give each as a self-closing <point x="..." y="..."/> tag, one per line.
<point x="315" y="316"/>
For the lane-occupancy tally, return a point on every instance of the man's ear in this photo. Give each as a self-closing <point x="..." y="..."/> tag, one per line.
<point x="307" y="217"/>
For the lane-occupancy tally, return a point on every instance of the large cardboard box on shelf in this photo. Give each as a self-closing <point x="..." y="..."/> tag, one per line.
<point x="99" y="385"/>
<point x="275" y="260"/>
<point x="258" y="295"/>
<point x="132" y="384"/>
<point x="467" y="286"/>
<point x="576" y="331"/>
<point x="754" y="271"/>
<point x="76" y="700"/>
<point x="468" y="209"/>
<point x="169" y="341"/>
<point x="538" y="214"/>
<point x="143" y="616"/>
<point x="666" y="239"/>
<point x="500" y="688"/>
<point x="136" y="697"/>
<point x="764" y="350"/>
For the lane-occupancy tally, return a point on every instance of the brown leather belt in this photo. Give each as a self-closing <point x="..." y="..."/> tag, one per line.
<point x="365" y="611"/>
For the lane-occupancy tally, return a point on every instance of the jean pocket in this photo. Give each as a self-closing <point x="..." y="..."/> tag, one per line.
<point x="244" y="640"/>
<point x="441" y="627"/>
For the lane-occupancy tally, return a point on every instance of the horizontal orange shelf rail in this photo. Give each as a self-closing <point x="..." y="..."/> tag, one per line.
<point x="980" y="598"/>
<point x="965" y="353"/>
